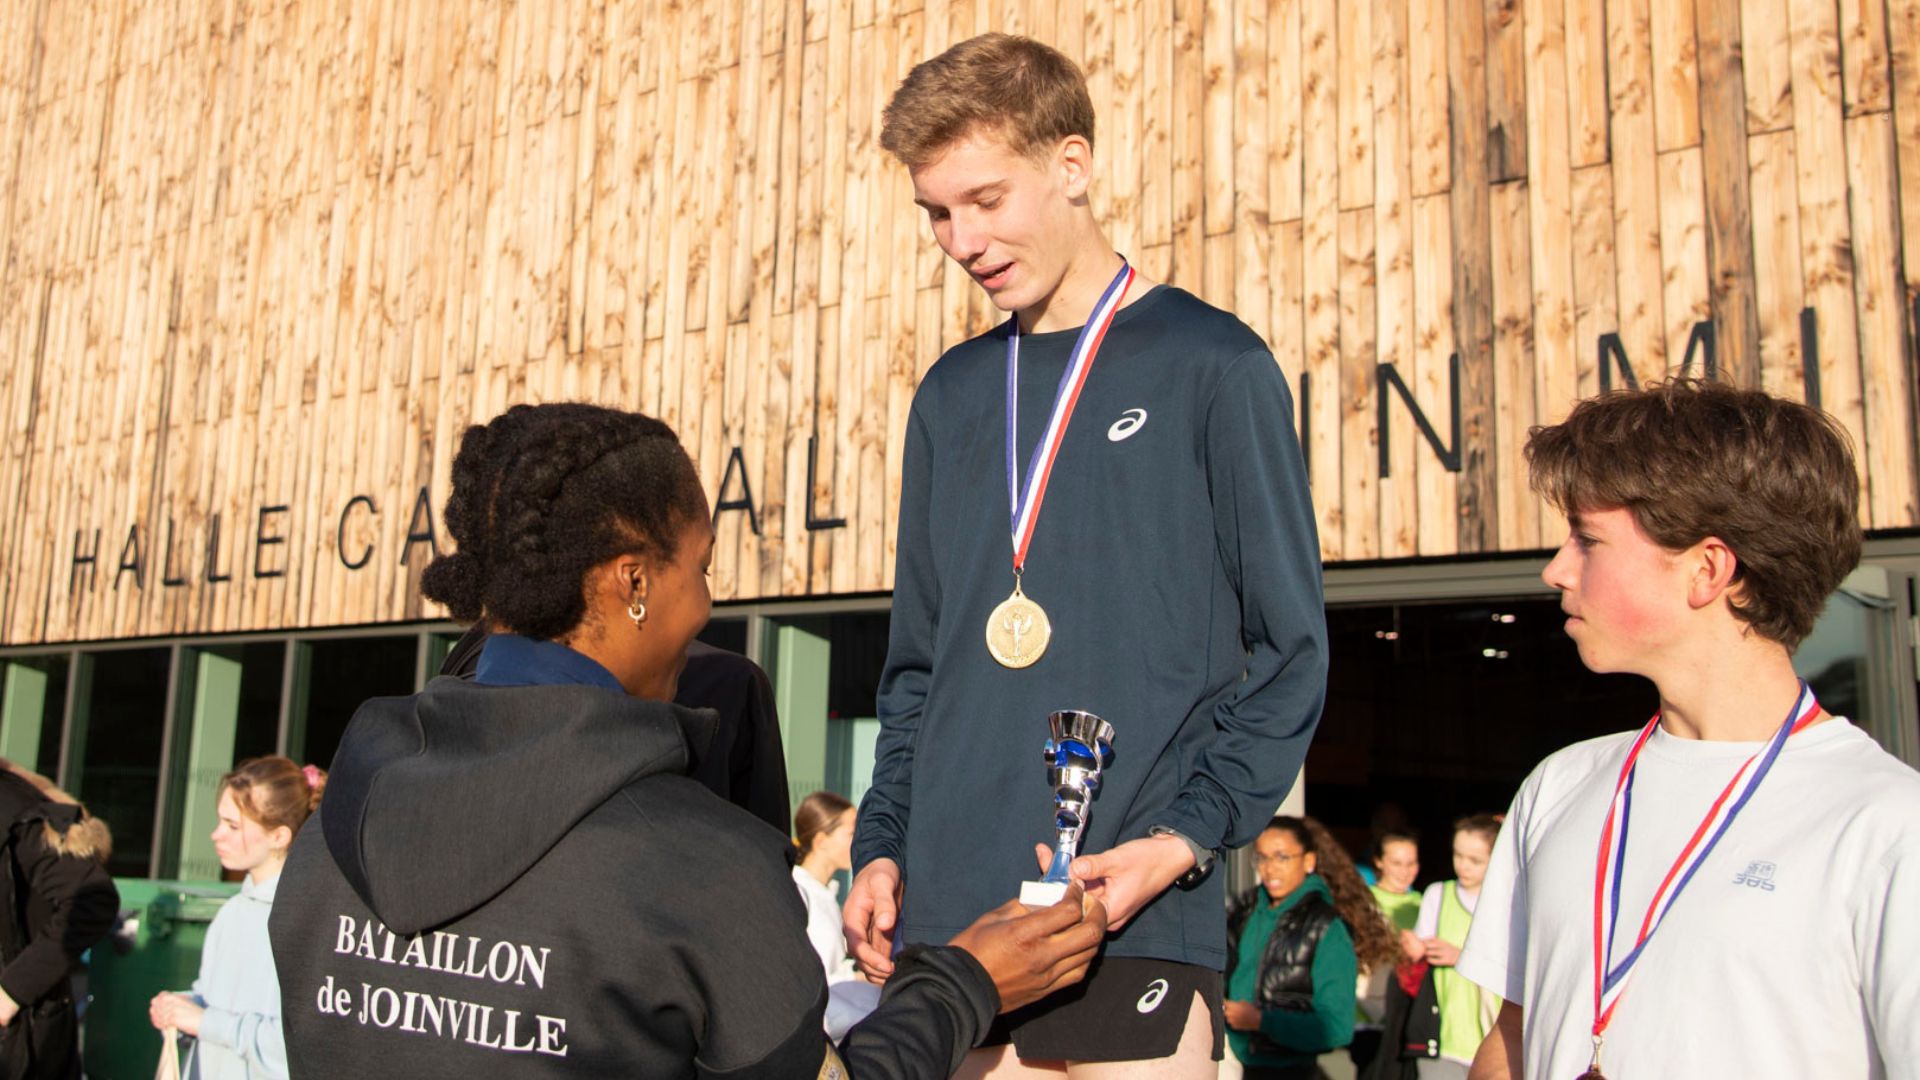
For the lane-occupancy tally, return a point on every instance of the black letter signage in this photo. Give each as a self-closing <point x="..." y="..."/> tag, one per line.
<point x="340" y="533"/>
<point x="745" y="502"/>
<point x="262" y="540"/>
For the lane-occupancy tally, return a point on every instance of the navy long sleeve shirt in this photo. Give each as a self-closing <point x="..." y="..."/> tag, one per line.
<point x="1176" y="558"/>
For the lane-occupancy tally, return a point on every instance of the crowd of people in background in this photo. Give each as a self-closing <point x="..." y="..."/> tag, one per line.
<point x="1319" y="959"/>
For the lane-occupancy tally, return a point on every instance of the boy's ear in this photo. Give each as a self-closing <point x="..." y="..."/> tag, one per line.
<point x="1074" y="159"/>
<point x="1714" y="566"/>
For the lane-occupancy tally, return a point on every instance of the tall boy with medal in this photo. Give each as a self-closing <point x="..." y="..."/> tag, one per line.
<point x="1734" y="889"/>
<point x="1102" y="508"/>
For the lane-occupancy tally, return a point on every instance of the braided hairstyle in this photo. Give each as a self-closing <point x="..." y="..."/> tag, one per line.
<point x="544" y="493"/>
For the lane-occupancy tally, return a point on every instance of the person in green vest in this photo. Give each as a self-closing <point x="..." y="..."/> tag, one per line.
<point x="1396" y="863"/>
<point x="1446" y="911"/>
<point x="1296" y="944"/>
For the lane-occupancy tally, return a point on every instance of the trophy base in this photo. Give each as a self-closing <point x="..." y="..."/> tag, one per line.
<point x="1042" y="893"/>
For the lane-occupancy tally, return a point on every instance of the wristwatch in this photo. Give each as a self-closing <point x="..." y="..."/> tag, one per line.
<point x="1202" y="857"/>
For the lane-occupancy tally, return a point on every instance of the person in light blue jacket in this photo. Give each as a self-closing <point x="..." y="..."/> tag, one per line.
<point x="233" y="1010"/>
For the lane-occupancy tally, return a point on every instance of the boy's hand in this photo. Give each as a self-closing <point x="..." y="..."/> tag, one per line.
<point x="1031" y="952"/>
<point x="1411" y="945"/>
<point x="1128" y="877"/>
<point x="1442" y="953"/>
<point x="1241" y="1015"/>
<point x="873" y="907"/>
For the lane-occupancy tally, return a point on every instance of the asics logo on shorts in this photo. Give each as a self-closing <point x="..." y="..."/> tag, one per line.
<point x="1149" y="1001"/>
<point x="1130" y="421"/>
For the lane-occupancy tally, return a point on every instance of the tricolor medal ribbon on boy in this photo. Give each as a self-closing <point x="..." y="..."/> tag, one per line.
<point x="1610" y="979"/>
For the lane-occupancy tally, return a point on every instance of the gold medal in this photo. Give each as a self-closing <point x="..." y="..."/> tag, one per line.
<point x="1018" y="630"/>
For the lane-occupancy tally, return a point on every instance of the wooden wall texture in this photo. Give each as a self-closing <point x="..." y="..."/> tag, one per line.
<point x="276" y="255"/>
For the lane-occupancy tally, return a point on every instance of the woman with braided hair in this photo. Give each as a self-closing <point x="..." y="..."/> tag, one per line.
<point x="513" y="877"/>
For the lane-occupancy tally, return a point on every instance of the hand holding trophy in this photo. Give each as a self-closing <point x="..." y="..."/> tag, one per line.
<point x="1080" y="746"/>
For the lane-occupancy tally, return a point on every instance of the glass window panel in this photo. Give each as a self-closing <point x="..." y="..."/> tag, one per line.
<point x="859" y="654"/>
<point x="342" y="673"/>
<point x="262" y="667"/>
<point x="1834" y="658"/>
<point x="33" y="705"/>
<point x="55" y="715"/>
<point x="125" y="704"/>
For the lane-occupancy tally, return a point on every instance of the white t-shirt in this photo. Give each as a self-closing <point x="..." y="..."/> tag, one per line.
<point x="1794" y="952"/>
<point x="849" y="997"/>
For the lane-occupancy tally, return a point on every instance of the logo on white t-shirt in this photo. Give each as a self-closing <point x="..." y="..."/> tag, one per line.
<point x="1130" y="421"/>
<point x="1149" y="1001"/>
<point x="1757" y="875"/>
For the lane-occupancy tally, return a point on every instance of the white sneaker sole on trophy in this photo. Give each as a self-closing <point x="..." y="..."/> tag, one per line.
<point x="1042" y="893"/>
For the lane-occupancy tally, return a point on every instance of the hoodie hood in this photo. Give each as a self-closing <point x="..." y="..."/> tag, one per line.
<point x="439" y="801"/>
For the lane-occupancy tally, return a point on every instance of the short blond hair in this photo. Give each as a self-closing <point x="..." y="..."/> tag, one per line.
<point x="1026" y="92"/>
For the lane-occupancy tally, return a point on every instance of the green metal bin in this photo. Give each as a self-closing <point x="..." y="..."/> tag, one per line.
<point x="166" y="927"/>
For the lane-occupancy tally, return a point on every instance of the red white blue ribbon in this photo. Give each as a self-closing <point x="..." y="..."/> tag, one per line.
<point x="1024" y="506"/>
<point x="1610" y="977"/>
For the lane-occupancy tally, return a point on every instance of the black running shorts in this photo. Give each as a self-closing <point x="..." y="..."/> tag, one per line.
<point x="1127" y="1009"/>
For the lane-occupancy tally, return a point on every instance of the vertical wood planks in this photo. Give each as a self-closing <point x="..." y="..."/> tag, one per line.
<point x="1887" y="462"/>
<point x="1506" y="82"/>
<point x="1903" y="18"/>
<point x="1863" y="56"/>
<point x="1359" y="431"/>
<point x="1353" y="94"/>
<point x="1470" y="212"/>
<point x="1826" y="233"/>
<point x="1675" y="82"/>
<point x="264" y="257"/>
<point x="1513" y="365"/>
<point x="1636" y="186"/>
<point x="1549" y="212"/>
<point x="1730" y="266"/>
<point x="1320" y="255"/>
<point x="1252" y="169"/>
<point x="1766" y="65"/>
<point x="1429" y="126"/>
<point x="1779" y="296"/>
<point x="1434" y="343"/>
<point x="1393" y="224"/>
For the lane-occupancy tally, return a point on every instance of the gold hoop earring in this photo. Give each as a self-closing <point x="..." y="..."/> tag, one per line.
<point x="637" y="611"/>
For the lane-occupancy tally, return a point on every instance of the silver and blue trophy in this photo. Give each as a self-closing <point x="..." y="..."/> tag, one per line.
<point x="1079" y="748"/>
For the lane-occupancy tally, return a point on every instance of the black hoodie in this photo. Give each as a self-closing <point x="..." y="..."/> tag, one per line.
<point x="520" y="882"/>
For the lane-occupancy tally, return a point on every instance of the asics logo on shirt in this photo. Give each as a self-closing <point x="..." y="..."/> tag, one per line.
<point x="1757" y="875"/>
<point x="1130" y="421"/>
<point x="1149" y="1001"/>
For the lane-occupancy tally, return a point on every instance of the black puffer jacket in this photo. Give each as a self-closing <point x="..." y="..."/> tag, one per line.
<point x="1286" y="968"/>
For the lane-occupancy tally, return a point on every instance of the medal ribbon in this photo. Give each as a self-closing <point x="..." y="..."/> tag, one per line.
<point x="1024" y="506"/>
<point x="1610" y="979"/>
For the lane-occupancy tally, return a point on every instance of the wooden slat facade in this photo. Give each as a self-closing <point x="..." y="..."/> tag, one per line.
<point x="264" y="262"/>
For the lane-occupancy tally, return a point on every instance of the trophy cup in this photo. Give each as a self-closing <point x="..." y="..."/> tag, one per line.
<point x="1080" y="746"/>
